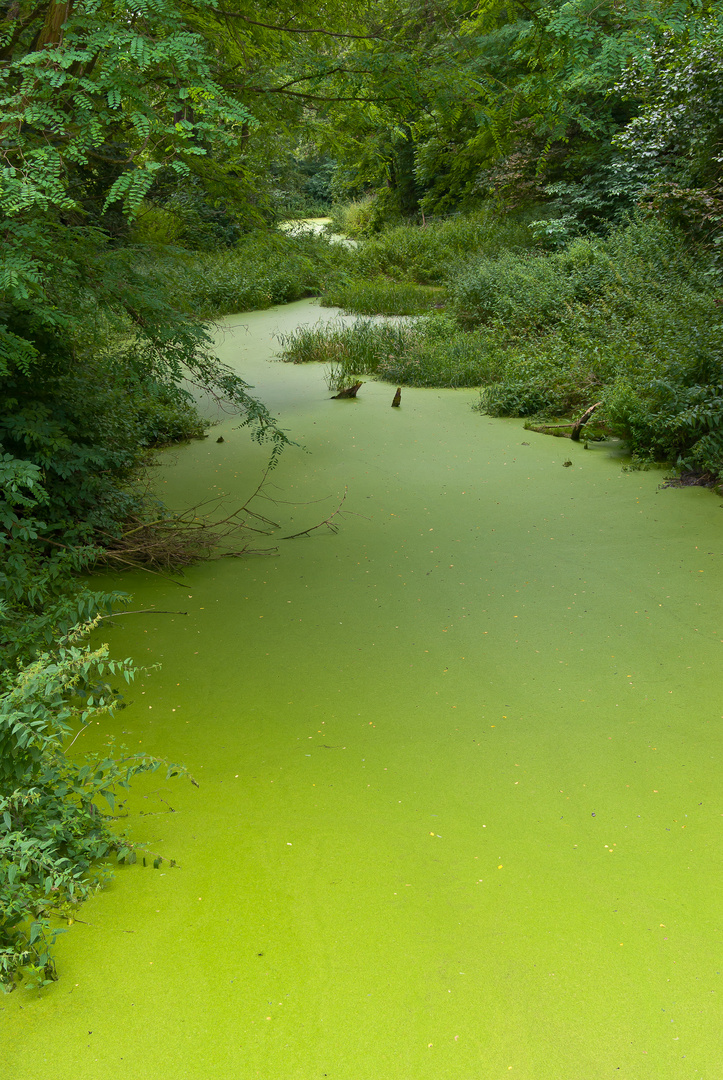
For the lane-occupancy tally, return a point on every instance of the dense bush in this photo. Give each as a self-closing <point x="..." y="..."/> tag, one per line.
<point x="639" y="331"/>
<point x="635" y="267"/>
<point x="72" y="450"/>
<point x="357" y="218"/>
<point x="520" y="294"/>
<point x="677" y="418"/>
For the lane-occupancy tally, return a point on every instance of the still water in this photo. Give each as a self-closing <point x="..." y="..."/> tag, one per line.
<point x="460" y="808"/>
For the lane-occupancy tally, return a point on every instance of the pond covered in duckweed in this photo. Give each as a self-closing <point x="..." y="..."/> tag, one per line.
<point x="460" y="808"/>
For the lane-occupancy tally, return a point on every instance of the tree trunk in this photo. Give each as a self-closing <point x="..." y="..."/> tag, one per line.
<point x="58" y="13"/>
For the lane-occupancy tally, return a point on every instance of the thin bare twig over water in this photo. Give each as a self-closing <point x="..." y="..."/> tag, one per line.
<point x="329" y="523"/>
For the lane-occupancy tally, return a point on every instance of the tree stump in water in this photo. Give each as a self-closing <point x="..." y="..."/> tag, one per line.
<point x="397" y="398"/>
<point x="349" y="392"/>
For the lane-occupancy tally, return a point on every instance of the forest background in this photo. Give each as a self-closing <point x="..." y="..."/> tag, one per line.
<point x="537" y="184"/>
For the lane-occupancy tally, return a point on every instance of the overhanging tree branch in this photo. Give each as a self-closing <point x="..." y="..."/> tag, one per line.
<point x="299" y="30"/>
<point x="317" y="97"/>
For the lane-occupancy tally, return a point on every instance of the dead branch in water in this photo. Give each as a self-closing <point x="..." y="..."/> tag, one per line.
<point x="348" y="392"/>
<point x="142" y="611"/>
<point x="170" y="543"/>
<point x="328" y="522"/>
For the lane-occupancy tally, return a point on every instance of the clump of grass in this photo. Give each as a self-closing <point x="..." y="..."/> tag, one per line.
<point x="356" y="349"/>
<point x="438" y="353"/>
<point x="380" y="296"/>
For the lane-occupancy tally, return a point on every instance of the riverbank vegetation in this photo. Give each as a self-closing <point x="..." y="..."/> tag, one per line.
<point x="537" y="186"/>
<point x="630" y="319"/>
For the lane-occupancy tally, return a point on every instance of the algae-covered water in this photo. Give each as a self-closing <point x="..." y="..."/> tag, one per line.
<point x="460" y="806"/>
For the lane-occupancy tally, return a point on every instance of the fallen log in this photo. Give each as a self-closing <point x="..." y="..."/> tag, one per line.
<point x="577" y="426"/>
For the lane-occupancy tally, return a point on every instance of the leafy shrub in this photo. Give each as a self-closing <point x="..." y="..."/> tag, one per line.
<point x="165" y="414"/>
<point x="71" y="450"/>
<point x="356" y="218"/>
<point x="41" y="596"/>
<point x="54" y="835"/>
<point x="671" y="419"/>
<point x="517" y="397"/>
<point x="522" y="294"/>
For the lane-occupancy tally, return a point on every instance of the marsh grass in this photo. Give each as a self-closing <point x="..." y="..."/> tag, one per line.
<point x="426" y="351"/>
<point x="380" y="296"/>
<point x="356" y="349"/>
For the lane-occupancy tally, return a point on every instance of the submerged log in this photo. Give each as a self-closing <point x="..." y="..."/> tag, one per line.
<point x="397" y="398"/>
<point x="349" y="392"/>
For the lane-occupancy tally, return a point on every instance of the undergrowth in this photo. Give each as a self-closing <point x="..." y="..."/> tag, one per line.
<point x="265" y="268"/>
<point x="431" y="254"/>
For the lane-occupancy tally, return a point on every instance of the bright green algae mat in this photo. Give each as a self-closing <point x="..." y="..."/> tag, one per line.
<point x="460" y="806"/>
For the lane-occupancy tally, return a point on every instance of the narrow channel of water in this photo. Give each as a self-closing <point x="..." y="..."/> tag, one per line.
<point x="459" y="811"/>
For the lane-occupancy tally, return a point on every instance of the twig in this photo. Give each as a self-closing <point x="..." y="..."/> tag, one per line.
<point x="328" y="522"/>
<point x="142" y="611"/>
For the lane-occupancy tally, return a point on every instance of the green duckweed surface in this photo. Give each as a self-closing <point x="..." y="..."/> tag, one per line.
<point x="460" y="807"/>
